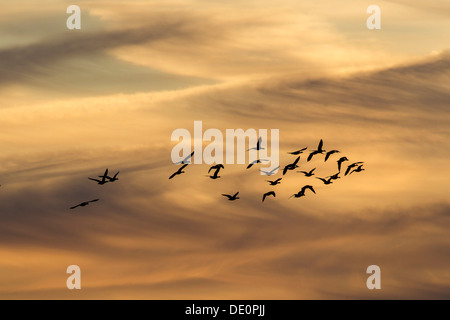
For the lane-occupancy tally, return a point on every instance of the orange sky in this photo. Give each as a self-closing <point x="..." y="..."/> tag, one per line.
<point x="109" y="96"/>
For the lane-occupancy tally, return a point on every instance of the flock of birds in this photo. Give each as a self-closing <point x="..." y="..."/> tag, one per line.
<point x="352" y="168"/>
<point x="104" y="179"/>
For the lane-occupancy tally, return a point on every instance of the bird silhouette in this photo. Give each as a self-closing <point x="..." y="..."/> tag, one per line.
<point x="319" y="150"/>
<point x="334" y="176"/>
<point x="329" y="153"/>
<point x="339" y="162"/>
<point x="180" y="171"/>
<point x="270" y="193"/>
<point x="291" y="166"/>
<point x="296" y="153"/>
<point x="271" y="172"/>
<point x="255" y="162"/>
<point x="308" y="173"/>
<point x="216" y="167"/>
<point x="258" y="145"/>
<point x="325" y="181"/>
<point x="114" y="178"/>
<point x="83" y="204"/>
<point x="301" y="193"/>
<point x="274" y="183"/>
<point x="103" y="181"/>
<point x="350" y="167"/>
<point x="215" y="175"/>
<point x="358" y="169"/>
<point x="231" y="198"/>
<point x="185" y="160"/>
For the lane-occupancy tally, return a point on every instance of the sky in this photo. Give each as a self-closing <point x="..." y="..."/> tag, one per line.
<point x="74" y="102"/>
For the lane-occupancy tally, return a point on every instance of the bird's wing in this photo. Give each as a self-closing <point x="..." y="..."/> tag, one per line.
<point x="184" y="166"/>
<point x="74" y="207"/>
<point x="264" y="197"/>
<point x="106" y="172"/>
<point x="210" y="169"/>
<point x="279" y="179"/>
<point x="115" y="176"/>
<point x="311" y="188"/>
<point x="295" y="152"/>
<point x="272" y="193"/>
<point x="320" y="145"/>
<point x="285" y="170"/>
<point x="348" y="169"/>
<point x="227" y="195"/>
<point x="258" y="145"/>
<point x="296" y="161"/>
<point x="236" y="194"/>
<point x="173" y="175"/>
<point x="327" y="156"/>
<point x="250" y="165"/>
<point x="311" y="155"/>
<point x="321" y="179"/>
<point x="95" y="180"/>
<point x="95" y="200"/>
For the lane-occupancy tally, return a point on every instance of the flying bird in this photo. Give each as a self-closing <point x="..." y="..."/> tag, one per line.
<point x="103" y="181"/>
<point x="359" y="169"/>
<point x="296" y="153"/>
<point x="274" y="183"/>
<point x="215" y="175"/>
<point x="291" y="166"/>
<point x="258" y="145"/>
<point x="255" y="162"/>
<point x="185" y="160"/>
<point x="114" y="178"/>
<point x="319" y="150"/>
<point x="301" y="193"/>
<point x="231" y="198"/>
<point x="270" y="193"/>
<point x="329" y="153"/>
<point x="180" y="171"/>
<point x="350" y="167"/>
<point x="325" y="181"/>
<point x="271" y="172"/>
<point x="339" y="162"/>
<point x="308" y="173"/>
<point x="83" y="204"/>
<point x="216" y="167"/>
<point x="334" y="176"/>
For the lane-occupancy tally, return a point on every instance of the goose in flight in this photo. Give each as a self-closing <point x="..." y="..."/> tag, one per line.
<point x="103" y="181"/>
<point x="185" y="160"/>
<point x="255" y="162"/>
<point x="114" y="178"/>
<point x="353" y="165"/>
<point x="301" y="193"/>
<point x="180" y="171"/>
<point x="296" y="153"/>
<point x="329" y="153"/>
<point x="308" y="173"/>
<point x="325" y="181"/>
<point x="231" y="198"/>
<point x="258" y="145"/>
<point x="270" y="193"/>
<point x="271" y="172"/>
<point x="359" y="169"/>
<point x="216" y="167"/>
<point x="319" y="150"/>
<point x="83" y="204"/>
<point x="274" y="183"/>
<point x="339" y="162"/>
<point x="215" y="175"/>
<point x="291" y="166"/>
<point x="334" y="176"/>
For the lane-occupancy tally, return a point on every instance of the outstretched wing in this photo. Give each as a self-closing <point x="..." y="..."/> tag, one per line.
<point x="258" y="145"/>
<point x="227" y="195"/>
<point x="236" y="194"/>
<point x="74" y="207"/>
<point x="296" y="161"/>
<point x="96" y="180"/>
<point x="173" y="175"/>
<point x="184" y="166"/>
<point x="319" y="148"/>
<point x="278" y="180"/>
<point x="311" y="155"/>
<point x="95" y="200"/>
<point x="348" y="169"/>
<point x="250" y="165"/>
